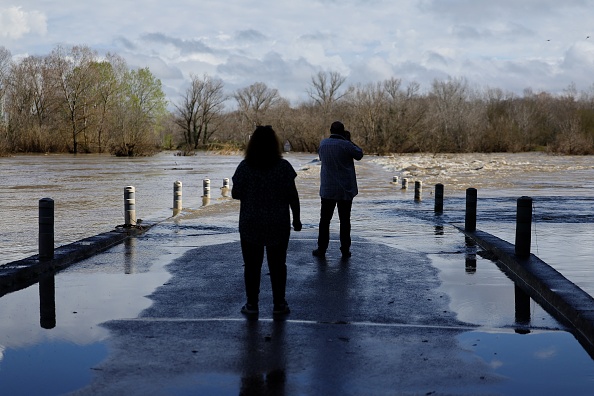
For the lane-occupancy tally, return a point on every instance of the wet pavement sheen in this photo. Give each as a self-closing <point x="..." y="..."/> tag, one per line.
<point x="415" y="310"/>
<point x="381" y="323"/>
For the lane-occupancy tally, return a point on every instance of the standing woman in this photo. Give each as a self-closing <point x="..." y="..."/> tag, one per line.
<point x="264" y="182"/>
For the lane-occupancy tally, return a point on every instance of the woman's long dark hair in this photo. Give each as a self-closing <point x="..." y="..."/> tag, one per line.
<point x="264" y="148"/>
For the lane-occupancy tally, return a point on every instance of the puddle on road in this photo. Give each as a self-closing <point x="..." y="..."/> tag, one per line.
<point x="516" y="337"/>
<point x="33" y="370"/>
<point x="521" y="342"/>
<point x="526" y="360"/>
<point x="483" y="295"/>
<point x="51" y="330"/>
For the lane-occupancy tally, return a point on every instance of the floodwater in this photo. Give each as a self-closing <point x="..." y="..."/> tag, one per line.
<point x="88" y="195"/>
<point x="561" y="187"/>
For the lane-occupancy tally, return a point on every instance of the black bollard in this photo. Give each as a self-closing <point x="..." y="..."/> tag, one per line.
<point x="439" y="198"/>
<point x="47" y="302"/>
<point x="523" y="227"/>
<point x="418" y="190"/>
<point x="470" y="256"/>
<point x="470" y="218"/>
<point x="46" y="229"/>
<point x="522" y="306"/>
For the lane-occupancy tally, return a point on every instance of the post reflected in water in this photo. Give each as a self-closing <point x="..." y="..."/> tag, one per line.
<point x="470" y="256"/>
<point x="226" y="189"/>
<point x="129" y="253"/>
<point x="522" y="307"/>
<point x="47" y="302"/>
<point x="439" y="230"/>
<point x="263" y="360"/>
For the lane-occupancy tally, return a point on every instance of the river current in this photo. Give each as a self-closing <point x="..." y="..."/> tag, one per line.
<point x="88" y="194"/>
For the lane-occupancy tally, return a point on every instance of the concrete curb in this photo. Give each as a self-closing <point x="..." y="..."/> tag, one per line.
<point x="23" y="273"/>
<point x="559" y="296"/>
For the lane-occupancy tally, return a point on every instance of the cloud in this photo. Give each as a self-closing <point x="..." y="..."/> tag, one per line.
<point x="289" y="76"/>
<point x="124" y="42"/>
<point x="250" y="35"/>
<point x="185" y="46"/>
<point x="546" y="353"/>
<point x="158" y="67"/>
<point x="316" y="37"/>
<point x="370" y="70"/>
<point x="473" y="10"/>
<point x="16" y="23"/>
<point x="501" y="44"/>
<point x="433" y="58"/>
<point x="580" y="56"/>
<point x="466" y="32"/>
<point x="266" y="69"/>
<point x="497" y="32"/>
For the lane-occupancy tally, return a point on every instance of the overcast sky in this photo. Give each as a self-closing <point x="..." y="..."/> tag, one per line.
<point x="507" y="44"/>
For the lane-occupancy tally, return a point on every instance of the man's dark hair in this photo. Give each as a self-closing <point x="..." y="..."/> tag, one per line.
<point x="264" y="148"/>
<point x="337" y="127"/>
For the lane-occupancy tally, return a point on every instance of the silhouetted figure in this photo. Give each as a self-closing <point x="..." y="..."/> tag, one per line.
<point x="338" y="186"/>
<point x="264" y="182"/>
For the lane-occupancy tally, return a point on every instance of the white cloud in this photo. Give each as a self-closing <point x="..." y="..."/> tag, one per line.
<point x="16" y="23"/>
<point x="484" y="10"/>
<point x="501" y="44"/>
<point x="157" y="66"/>
<point x="580" y="56"/>
<point x="546" y="353"/>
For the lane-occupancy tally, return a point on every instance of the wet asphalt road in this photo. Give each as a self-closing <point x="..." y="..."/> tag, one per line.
<point x="373" y="325"/>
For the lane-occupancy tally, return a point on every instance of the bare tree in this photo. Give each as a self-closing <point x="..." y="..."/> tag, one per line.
<point x="5" y="64"/>
<point x="212" y="107"/>
<point x="254" y="101"/>
<point x="570" y="137"/>
<point x="187" y="113"/>
<point x="450" y="100"/>
<point x="407" y="116"/>
<point x="369" y="105"/>
<point x="28" y="102"/>
<point x="200" y="107"/>
<point x="325" y="89"/>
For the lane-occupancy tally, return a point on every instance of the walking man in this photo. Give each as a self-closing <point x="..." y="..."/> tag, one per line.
<point x="338" y="186"/>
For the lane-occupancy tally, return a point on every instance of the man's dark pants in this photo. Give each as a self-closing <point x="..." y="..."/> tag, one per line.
<point x="344" y="215"/>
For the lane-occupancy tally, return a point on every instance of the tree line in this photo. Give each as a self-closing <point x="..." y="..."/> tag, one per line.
<point x="73" y="101"/>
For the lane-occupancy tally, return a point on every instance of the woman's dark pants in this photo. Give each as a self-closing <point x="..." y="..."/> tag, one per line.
<point x="253" y="257"/>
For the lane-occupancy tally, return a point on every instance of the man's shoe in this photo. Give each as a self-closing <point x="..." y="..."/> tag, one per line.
<point x="281" y="309"/>
<point x="249" y="309"/>
<point x="346" y="255"/>
<point x="319" y="253"/>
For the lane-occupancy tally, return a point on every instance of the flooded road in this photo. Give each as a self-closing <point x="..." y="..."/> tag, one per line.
<point x="89" y="294"/>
